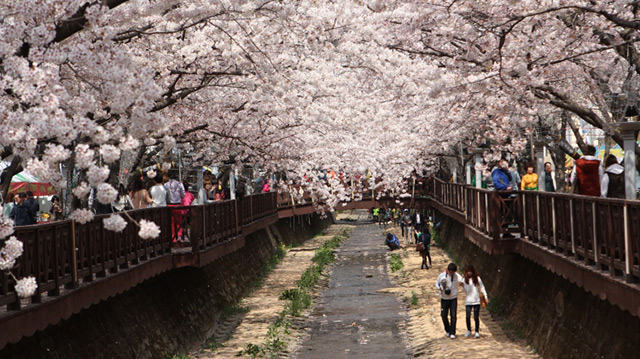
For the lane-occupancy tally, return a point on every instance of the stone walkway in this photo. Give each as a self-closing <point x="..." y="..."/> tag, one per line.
<point x="425" y="329"/>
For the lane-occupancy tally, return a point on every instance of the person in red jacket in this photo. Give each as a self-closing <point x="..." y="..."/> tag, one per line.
<point x="587" y="173"/>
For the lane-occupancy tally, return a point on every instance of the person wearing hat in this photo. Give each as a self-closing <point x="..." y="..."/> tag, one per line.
<point x="447" y="285"/>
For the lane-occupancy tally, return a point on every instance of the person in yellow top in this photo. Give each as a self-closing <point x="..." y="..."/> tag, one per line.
<point x="529" y="180"/>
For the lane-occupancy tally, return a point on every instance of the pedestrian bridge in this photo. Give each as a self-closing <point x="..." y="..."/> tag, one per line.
<point x="592" y="242"/>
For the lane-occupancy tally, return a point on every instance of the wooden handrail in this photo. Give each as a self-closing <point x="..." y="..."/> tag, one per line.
<point x="64" y="252"/>
<point x="598" y="231"/>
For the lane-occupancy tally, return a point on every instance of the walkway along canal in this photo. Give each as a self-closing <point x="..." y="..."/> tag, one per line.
<point x="353" y="318"/>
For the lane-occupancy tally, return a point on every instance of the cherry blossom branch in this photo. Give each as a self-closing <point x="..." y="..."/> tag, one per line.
<point x="77" y="21"/>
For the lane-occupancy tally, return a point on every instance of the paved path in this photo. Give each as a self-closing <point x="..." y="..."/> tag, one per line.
<point x="352" y="318"/>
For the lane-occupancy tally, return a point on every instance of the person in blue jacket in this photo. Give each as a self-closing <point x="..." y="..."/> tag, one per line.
<point x="392" y="241"/>
<point x="501" y="176"/>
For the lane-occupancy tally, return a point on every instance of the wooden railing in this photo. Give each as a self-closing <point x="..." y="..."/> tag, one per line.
<point x="601" y="232"/>
<point x="49" y="253"/>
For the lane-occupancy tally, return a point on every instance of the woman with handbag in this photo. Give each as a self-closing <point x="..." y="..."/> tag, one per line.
<point x="476" y="297"/>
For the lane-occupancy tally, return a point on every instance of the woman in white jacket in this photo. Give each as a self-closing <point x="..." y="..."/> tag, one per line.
<point x="473" y="286"/>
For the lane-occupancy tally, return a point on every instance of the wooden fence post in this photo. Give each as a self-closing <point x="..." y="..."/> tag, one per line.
<point x="628" y="258"/>
<point x="553" y="221"/>
<point x="539" y="234"/>
<point x="595" y="232"/>
<point x="487" y="214"/>
<point x="235" y="202"/>
<point x="573" y="232"/>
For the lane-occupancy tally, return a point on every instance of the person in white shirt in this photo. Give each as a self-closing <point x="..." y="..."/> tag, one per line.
<point x="473" y="286"/>
<point x="447" y="284"/>
<point x="158" y="193"/>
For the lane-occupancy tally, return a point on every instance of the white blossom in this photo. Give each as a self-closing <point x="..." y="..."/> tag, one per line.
<point x="12" y="247"/>
<point x="26" y="287"/>
<point x="106" y="193"/>
<point x="55" y="153"/>
<point x="169" y="143"/>
<point x="84" y="156"/>
<point x="82" y="190"/>
<point x="114" y="223"/>
<point x="129" y="143"/>
<point x="148" y="229"/>
<point x="81" y="215"/>
<point x="110" y="153"/>
<point x="6" y="226"/>
<point x="96" y="175"/>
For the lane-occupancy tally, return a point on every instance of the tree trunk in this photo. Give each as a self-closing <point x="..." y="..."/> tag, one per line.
<point x="8" y="173"/>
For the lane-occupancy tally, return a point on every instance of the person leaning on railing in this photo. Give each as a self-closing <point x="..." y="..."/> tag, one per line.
<point x="529" y="180"/>
<point x="587" y="174"/>
<point x="612" y="185"/>
<point x="501" y="176"/>
<point x="502" y="182"/>
<point x="549" y="178"/>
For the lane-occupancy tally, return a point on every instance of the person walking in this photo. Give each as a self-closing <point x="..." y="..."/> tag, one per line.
<point x="613" y="180"/>
<point x="405" y="226"/>
<point x="417" y="219"/>
<point x="447" y="285"/>
<point x="474" y="288"/>
<point x="425" y="239"/>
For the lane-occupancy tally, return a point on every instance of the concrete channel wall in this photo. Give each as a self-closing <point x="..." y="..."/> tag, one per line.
<point x="169" y="313"/>
<point x="558" y="318"/>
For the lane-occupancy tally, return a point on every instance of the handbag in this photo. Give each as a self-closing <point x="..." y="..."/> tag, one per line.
<point x="419" y="247"/>
<point x="483" y="299"/>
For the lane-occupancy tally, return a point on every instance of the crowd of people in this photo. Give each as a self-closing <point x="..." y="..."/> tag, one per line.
<point x="155" y="189"/>
<point x="589" y="176"/>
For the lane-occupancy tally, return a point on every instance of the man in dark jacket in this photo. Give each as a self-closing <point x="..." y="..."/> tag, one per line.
<point x="33" y="205"/>
<point x="21" y="213"/>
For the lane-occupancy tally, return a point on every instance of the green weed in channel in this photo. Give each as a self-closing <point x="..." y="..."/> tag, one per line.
<point x="395" y="263"/>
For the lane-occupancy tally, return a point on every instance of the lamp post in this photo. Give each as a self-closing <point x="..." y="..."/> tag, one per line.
<point x="477" y="156"/>
<point x="540" y="164"/>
